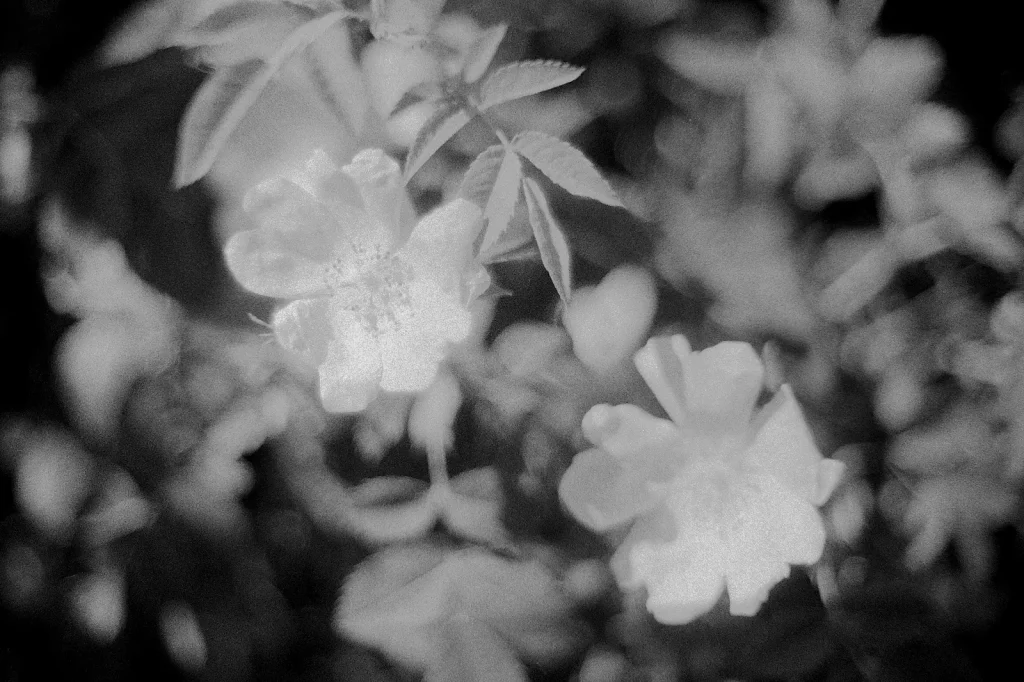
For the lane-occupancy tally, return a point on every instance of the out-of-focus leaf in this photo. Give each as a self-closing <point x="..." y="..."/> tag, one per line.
<point x="470" y="653"/>
<point x="398" y="19"/>
<point x="391" y="509"/>
<point x="182" y="636"/>
<point x="393" y="600"/>
<point x="242" y="31"/>
<point x="97" y="604"/>
<point x="225" y="98"/>
<point x="565" y="165"/>
<point x="770" y="133"/>
<point x="814" y="79"/>
<point x="959" y="507"/>
<point x="825" y="178"/>
<point x="858" y="16"/>
<point x="229" y="22"/>
<point x="472" y="507"/>
<point x="119" y="509"/>
<point x="403" y="600"/>
<point x="53" y="476"/>
<point x="974" y="202"/>
<point x="522" y="79"/>
<point x="439" y="128"/>
<point x="934" y="131"/>
<point x="858" y="285"/>
<point x="897" y="70"/>
<point x="213" y="114"/>
<point x="482" y="52"/>
<point x="338" y="79"/>
<point x="503" y="198"/>
<point x="524" y="603"/>
<point x="554" y="249"/>
<point x="961" y="439"/>
<point x="382" y="490"/>
<point x="609" y="322"/>
<point x="744" y="257"/>
<point x="717" y="66"/>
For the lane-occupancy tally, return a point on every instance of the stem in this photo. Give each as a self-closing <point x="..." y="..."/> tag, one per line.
<point x="487" y="121"/>
<point x="437" y="463"/>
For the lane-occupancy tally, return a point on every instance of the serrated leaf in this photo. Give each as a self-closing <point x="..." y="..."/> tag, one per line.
<point x="338" y="78"/>
<point x="503" y="199"/>
<point x="554" y="249"/>
<point x="439" y="128"/>
<point x="481" y="175"/>
<point x="226" y="97"/>
<point x="565" y="166"/>
<point x="515" y="243"/>
<point x="481" y="53"/>
<point x="471" y="653"/>
<point x="418" y="93"/>
<point x="522" y="79"/>
<point x="713" y="64"/>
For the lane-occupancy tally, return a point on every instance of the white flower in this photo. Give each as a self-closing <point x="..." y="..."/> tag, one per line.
<point x="723" y="499"/>
<point x="373" y="305"/>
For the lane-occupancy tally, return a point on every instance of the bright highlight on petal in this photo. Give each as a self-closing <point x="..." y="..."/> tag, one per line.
<point x="370" y="311"/>
<point x="724" y="499"/>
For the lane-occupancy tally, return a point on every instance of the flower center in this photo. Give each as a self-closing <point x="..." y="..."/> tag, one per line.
<point x="373" y="283"/>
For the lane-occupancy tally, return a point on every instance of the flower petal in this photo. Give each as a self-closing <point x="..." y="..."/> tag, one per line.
<point x="265" y="264"/>
<point x="648" y="445"/>
<point x="350" y="374"/>
<point x="660" y="364"/>
<point x="684" y="575"/>
<point x="767" y="528"/>
<point x="304" y="327"/>
<point x="599" y="491"/>
<point x="784" y="448"/>
<point x="378" y="179"/>
<point x="415" y="334"/>
<point x="441" y="245"/>
<point x="721" y="384"/>
<point x="297" y="236"/>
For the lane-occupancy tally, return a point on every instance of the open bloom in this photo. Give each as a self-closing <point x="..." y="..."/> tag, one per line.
<point x="372" y="305"/>
<point x="724" y="498"/>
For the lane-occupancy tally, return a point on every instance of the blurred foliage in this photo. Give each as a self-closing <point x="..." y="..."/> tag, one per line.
<point x="838" y="183"/>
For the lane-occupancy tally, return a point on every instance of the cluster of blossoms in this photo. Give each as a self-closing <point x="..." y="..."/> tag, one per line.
<point x="723" y="498"/>
<point x="375" y="300"/>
